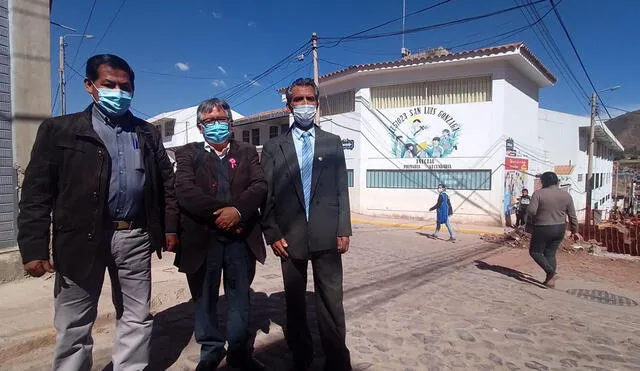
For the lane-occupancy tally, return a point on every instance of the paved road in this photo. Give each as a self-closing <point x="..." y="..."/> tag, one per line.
<point x="412" y="303"/>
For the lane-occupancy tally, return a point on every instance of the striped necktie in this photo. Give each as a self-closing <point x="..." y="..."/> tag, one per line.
<point x="306" y="169"/>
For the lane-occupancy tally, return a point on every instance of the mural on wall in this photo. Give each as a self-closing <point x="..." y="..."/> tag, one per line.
<point x="424" y="132"/>
<point x="515" y="179"/>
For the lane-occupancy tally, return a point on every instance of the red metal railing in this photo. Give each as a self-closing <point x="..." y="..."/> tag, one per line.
<point x="618" y="234"/>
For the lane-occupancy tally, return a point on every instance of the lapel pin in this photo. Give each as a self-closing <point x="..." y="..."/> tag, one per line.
<point x="319" y="158"/>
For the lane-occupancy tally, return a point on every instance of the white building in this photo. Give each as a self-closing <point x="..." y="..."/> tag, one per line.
<point x="566" y="138"/>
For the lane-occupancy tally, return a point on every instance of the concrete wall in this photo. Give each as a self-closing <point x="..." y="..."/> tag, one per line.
<point x="25" y="65"/>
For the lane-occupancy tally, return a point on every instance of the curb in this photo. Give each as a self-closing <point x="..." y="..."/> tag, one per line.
<point x="418" y="226"/>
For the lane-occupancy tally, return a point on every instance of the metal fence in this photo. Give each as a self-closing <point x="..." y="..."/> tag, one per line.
<point x="619" y="234"/>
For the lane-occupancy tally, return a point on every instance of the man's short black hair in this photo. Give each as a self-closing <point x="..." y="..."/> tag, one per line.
<point x="303" y="81"/>
<point x="548" y="179"/>
<point x="525" y="190"/>
<point x="110" y="60"/>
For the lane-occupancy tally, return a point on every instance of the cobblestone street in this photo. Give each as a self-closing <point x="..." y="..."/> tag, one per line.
<point x="412" y="303"/>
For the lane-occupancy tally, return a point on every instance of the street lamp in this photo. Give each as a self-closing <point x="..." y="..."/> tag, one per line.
<point x="590" y="150"/>
<point x="61" y="81"/>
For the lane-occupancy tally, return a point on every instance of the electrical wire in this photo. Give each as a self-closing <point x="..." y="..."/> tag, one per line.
<point x="426" y="28"/>
<point x="575" y="50"/>
<point x="340" y="39"/>
<point x="84" y="31"/>
<point x="106" y="31"/>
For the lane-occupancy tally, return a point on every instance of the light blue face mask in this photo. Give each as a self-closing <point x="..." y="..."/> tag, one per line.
<point x="304" y="114"/>
<point x="217" y="132"/>
<point x="114" y="102"/>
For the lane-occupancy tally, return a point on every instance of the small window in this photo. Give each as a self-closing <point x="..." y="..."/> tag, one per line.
<point x="233" y="135"/>
<point x="169" y="129"/>
<point x="245" y="136"/>
<point x="350" y="177"/>
<point x="580" y="176"/>
<point x="255" y="137"/>
<point x="273" y="131"/>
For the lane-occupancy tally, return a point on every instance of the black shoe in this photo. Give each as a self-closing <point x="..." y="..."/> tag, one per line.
<point x="207" y="366"/>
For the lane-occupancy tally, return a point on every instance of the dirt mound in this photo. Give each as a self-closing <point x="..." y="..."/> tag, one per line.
<point x="519" y="238"/>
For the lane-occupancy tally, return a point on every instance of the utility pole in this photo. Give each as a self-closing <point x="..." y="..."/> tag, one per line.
<point x="61" y="82"/>
<point x="590" y="148"/>
<point x="316" y="78"/>
<point x="186" y="132"/>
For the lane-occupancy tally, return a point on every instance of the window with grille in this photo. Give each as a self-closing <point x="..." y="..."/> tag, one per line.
<point x="350" y="177"/>
<point x="453" y="91"/>
<point x="245" y="136"/>
<point x="273" y="131"/>
<point x="335" y="104"/>
<point x="255" y="137"/>
<point x="169" y="128"/>
<point x="429" y="179"/>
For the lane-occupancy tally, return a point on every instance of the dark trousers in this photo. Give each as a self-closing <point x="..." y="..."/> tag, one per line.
<point x="327" y="280"/>
<point x="521" y="217"/>
<point x="545" y="240"/>
<point x="239" y="268"/>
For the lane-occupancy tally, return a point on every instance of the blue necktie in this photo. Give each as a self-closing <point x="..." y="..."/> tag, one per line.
<point x="306" y="169"/>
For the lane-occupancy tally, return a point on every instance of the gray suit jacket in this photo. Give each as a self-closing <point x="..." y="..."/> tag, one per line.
<point x="284" y="211"/>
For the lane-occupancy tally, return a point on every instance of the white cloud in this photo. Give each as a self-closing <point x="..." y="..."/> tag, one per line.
<point x="251" y="24"/>
<point x="182" y="66"/>
<point x="221" y="69"/>
<point x="219" y="83"/>
<point x="255" y="83"/>
<point x="216" y="15"/>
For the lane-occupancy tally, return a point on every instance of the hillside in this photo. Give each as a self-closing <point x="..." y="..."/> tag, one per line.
<point x="627" y="129"/>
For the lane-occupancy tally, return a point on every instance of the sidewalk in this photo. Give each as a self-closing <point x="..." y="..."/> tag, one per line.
<point x="424" y="224"/>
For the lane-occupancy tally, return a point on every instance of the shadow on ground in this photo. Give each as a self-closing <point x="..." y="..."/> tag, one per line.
<point x="522" y="277"/>
<point x="173" y="330"/>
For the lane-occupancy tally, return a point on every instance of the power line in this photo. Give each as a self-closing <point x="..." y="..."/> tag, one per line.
<point x="334" y="63"/>
<point x="84" y="31"/>
<point x="340" y="39"/>
<point x="429" y="27"/>
<point x="575" y="50"/>
<point x="106" y="31"/>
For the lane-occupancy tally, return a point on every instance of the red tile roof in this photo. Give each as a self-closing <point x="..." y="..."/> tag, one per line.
<point x="444" y="56"/>
<point x="563" y="169"/>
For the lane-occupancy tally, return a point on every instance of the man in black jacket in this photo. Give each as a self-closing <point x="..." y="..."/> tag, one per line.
<point x="307" y="217"/>
<point x="104" y="179"/>
<point x="220" y="186"/>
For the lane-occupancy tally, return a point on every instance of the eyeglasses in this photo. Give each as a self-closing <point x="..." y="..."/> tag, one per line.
<point x="225" y="120"/>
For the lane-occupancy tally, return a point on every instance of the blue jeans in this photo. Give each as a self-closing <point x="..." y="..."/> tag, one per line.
<point x="448" y="225"/>
<point x="234" y="258"/>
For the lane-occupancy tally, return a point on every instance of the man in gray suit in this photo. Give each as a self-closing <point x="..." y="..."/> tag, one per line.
<point x="307" y="217"/>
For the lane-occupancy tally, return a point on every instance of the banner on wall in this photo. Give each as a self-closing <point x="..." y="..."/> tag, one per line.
<point x="424" y="132"/>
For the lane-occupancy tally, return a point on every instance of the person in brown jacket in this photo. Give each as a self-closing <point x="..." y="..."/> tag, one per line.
<point x="548" y="212"/>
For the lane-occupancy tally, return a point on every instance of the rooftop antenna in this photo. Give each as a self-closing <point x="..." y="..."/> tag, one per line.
<point x="404" y="51"/>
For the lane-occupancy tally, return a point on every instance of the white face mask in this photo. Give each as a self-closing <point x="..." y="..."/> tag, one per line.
<point x="304" y="114"/>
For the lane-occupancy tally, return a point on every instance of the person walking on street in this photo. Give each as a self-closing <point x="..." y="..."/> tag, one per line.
<point x="307" y="217"/>
<point x="220" y="186"/>
<point x="103" y="178"/>
<point x="548" y="212"/>
<point x="443" y="212"/>
<point x="523" y="203"/>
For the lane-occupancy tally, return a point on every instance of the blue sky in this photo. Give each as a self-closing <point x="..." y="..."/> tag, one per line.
<point x="189" y="50"/>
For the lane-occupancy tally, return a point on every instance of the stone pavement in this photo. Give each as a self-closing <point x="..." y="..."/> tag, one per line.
<point x="412" y="303"/>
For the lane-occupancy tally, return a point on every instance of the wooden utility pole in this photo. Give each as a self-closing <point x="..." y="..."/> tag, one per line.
<point x="316" y="78"/>
<point x="590" y="148"/>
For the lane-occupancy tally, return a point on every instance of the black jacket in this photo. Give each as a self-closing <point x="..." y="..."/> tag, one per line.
<point x="196" y="185"/>
<point x="67" y="179"/>
<point x="284" y="212"/>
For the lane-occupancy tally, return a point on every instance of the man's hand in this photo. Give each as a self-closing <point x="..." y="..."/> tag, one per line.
<point x="37" y="268"/>
<point x="280" y="248"/>
<point x="576" y="236"/>
<point x="171" y="242"/>
<point x="227" y="217"/>
<point x="343" y="244"/>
